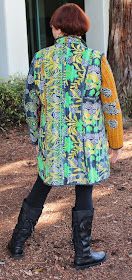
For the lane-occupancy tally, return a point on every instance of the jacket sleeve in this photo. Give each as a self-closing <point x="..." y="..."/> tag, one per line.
<point x="32" y="105"/>
<point x="111" y="107"/>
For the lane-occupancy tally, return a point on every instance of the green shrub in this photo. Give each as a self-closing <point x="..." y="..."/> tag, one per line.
<point x="11" y="101"/>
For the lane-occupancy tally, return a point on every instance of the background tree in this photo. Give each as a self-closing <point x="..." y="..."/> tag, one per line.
<point x="120" y="50"/>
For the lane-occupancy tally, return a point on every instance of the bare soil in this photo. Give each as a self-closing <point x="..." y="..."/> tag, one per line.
<point x="50" y="255"/>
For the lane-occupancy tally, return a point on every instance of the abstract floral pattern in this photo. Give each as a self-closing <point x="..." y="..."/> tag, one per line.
<point x="65" y="114"/>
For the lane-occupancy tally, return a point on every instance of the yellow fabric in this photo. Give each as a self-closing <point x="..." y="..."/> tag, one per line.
<point x="110" y="102"/>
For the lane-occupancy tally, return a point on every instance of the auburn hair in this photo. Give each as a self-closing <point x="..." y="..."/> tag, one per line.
<point x="71" y="19"/>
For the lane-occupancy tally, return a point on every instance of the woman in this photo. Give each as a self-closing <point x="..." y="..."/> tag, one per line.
<point x="71" y="104"/>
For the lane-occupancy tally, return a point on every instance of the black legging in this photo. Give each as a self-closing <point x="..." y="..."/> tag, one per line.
<point x="40" y="190"/>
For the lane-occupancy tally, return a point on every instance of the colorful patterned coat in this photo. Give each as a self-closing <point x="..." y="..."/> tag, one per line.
<point x="72" y="111"/>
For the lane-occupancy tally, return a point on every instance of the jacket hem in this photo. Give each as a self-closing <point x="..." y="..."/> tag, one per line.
<point x="74" y="184"/>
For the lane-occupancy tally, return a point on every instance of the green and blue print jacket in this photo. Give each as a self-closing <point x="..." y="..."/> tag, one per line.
<point x="64" y="103"/>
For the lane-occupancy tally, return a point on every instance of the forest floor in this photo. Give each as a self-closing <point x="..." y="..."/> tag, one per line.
<point x="50" y="255"/>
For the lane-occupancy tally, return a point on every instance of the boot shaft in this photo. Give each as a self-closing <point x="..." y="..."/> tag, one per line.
<point x="82" y="227"/>
<point x="27" y="220"/>
<point x="28" y="213"/>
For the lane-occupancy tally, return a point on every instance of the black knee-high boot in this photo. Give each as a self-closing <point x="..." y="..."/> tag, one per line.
<point x="27" y="220"/>
<point x="82" y="226"/>
<point x="83" y="201"/>
<point x="29" y="214"/>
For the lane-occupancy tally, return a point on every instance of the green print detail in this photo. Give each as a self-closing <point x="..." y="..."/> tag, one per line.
<point x="35" y="75"/>
<point x="40" y="161"/>
<point x="92" y="92"/>
<point x="68" y="100"/>
<point x="93" y="175"/>
<point x="88" y="81"/>
<point x="88" y="128"/>
<point x="64" y="126"/>
<point x="47" y="170"/>
<point x="68" y="144"/>
<point x="67" y="170"/>
<point x="98" y="87"/>
<point x="97" y="158"/>
<point x="69" y="53"/>
<point x="96" y="129"/>
<point x="39" y="54"/>
<point x="79" y="125"/>
<point x="97" y="61"/>
<point x="92" y="157"/>
<point x="71" y="73"/>
<point x="86" y="54"/>
<point x="43" y="120"/>
<point x="94" y="122"/>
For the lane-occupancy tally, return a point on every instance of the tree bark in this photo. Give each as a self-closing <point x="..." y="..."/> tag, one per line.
<point x="120" y="50"/>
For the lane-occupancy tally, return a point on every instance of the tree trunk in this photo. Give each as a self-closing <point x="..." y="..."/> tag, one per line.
<point x="120" y="50"/>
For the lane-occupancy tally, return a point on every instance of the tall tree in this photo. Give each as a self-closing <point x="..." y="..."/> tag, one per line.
<point x="120" y="50"/>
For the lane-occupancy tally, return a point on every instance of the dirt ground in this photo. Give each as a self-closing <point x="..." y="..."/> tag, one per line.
<point x="50" y="255"/>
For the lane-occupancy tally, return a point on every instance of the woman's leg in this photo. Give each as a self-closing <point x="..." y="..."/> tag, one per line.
<point x="84" y="199"/>
<point x="38" y="194"/>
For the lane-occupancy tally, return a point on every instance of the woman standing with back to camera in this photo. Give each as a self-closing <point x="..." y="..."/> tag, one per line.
<point x="73" y="112"/>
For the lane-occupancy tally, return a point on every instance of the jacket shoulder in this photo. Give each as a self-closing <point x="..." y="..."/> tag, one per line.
<point x="41" y="53"/>
<point x="95" y="52"/>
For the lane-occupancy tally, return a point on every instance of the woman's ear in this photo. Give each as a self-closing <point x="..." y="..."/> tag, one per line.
<point x="56" y="32"/>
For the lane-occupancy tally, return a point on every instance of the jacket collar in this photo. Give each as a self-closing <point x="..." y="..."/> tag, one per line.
<point x="70" y="39"/>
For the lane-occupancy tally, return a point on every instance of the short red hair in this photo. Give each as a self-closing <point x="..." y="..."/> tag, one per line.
<point x="71" y="19"/>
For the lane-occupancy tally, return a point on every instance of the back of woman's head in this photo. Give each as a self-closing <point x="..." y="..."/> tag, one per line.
<point x="71" y="19"/>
